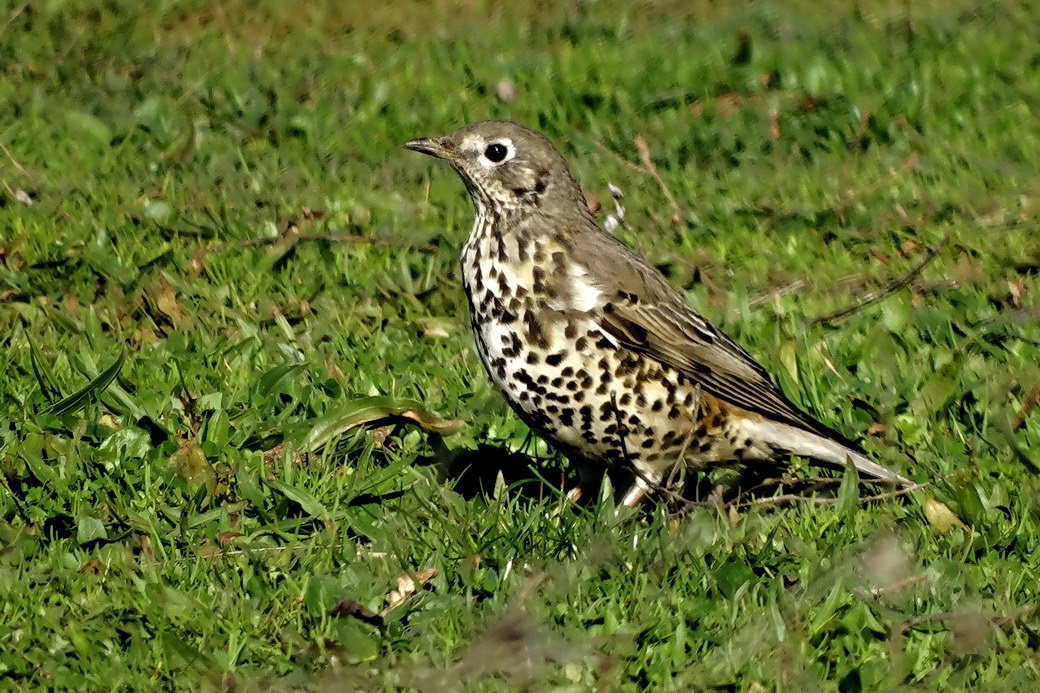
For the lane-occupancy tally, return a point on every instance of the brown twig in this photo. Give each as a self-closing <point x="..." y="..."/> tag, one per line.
<point x="11" y="17"/>
<point x="623" y="160"/>
<point x="794" y="498"/>
<point x="905" y="582"/>
<point x="874" y="297"/>
<point x="793" y="286"/>
<point x="1031" y="401"/>
<point x="992" y="620"/>
<point x="9" y="155"/>
<point x="853" y="193"/>
<point x="644" y="156"/>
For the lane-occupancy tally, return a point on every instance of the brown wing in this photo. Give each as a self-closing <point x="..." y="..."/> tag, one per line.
<point x="645" y="314"/>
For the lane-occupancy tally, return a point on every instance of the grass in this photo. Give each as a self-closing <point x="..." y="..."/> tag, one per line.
<point x="211" y="243"/>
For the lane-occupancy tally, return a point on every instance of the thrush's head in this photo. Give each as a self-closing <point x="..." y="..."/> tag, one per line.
<point x="506" y="167"/>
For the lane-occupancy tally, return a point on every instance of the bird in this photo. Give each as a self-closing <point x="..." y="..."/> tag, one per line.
<point x="592" y="347"/>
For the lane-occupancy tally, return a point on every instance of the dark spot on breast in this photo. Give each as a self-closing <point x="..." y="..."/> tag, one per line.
<point x="555" y="359"/>
<point x="535" y="334"/>
<point x="513" y="349"/>
<point x="539" y="278"/>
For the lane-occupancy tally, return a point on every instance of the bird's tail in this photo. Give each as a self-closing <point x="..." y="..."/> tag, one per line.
<point x="797" y="441"/>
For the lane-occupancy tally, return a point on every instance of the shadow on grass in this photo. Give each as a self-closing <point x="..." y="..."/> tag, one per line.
<point x="476" y="473"/>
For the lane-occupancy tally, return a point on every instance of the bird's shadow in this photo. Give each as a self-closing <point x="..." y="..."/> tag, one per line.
<point x="475" y="473"/>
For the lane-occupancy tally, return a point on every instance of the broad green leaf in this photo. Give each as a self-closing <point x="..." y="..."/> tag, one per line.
<point x="311" y="505"/>
<point x="89" y="528"/>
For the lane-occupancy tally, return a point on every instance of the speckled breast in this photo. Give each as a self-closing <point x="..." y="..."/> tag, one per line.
<point x="565" y="376"/>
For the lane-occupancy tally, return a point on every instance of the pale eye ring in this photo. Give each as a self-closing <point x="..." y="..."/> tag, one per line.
<point x="496" y="152"/>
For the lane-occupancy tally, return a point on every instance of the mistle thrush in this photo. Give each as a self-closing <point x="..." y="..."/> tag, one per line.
<point x="591" y="346"/>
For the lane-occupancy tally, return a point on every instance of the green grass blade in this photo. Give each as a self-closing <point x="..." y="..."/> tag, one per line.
<point x="95" y="386"/>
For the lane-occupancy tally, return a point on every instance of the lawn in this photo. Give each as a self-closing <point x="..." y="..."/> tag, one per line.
<point x="247" y="444"/>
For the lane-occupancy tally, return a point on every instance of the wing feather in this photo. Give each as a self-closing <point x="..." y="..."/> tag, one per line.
<point x="643" y="313"/>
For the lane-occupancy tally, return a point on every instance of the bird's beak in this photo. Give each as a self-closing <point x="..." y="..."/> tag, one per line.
<point x="439" y="147"/>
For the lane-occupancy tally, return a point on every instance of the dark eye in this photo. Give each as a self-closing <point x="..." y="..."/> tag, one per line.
<point x="495" y="152"/>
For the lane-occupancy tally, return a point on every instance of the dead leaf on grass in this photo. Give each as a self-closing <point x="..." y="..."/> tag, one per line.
<point x="406" y="586"/>
<point x="311" y="436"/>
<point x="876" y="428"/>
<point x="941" y="517"/>
<point x="190" y="462"/>
<point x="166" y="301"/>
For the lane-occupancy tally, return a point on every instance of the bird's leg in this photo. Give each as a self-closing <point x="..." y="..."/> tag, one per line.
<point x="587" y="478"/>
<point x="575" y="494"/>
<point x="645" y="481"/>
